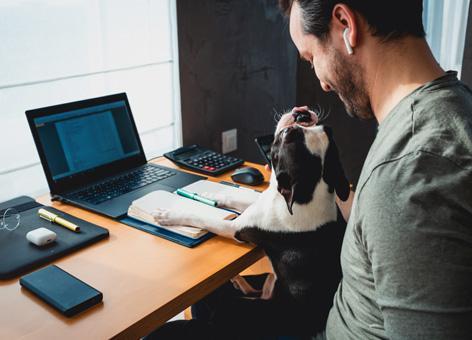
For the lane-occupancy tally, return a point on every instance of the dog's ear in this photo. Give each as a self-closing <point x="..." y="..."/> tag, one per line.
<point x="286" y="189"/>
<point x="333" y="172"/>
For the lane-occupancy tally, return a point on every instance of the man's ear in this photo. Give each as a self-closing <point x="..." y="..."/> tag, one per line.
<point x="333" y="172"/>
<point x="286" y="189"/>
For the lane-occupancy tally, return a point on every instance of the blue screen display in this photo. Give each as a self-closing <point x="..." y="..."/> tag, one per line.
<point x="84" y="139"/>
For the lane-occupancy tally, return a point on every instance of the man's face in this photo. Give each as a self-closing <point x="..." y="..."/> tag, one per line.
<point x="333" y="66"/>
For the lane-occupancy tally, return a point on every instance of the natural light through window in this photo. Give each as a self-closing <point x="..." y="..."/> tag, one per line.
<point x="56" y="51"/>
<point x="445" y="23"/>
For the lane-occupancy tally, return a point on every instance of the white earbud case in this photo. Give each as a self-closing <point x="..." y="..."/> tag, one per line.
<point x="41" y="236"/>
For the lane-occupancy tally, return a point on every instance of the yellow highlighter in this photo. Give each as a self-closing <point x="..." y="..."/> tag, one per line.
<point x="51" y="217"/>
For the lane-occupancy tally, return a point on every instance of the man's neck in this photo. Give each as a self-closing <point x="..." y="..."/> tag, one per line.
<point x="396" y="69"/>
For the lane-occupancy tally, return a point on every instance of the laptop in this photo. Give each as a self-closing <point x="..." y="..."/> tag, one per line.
<point x="93" y="158"/>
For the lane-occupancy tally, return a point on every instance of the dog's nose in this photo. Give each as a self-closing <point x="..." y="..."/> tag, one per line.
<point x="302" y="116"/>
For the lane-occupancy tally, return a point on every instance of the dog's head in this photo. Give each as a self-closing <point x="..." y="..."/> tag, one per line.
<point x="304" y="154"/>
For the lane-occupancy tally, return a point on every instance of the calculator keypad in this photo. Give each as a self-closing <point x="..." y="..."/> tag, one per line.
<point x="203" y="160"/>
<point x="210" y="161"/>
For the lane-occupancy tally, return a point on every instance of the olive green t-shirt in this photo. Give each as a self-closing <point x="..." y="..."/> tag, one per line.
<point x="407" y="251"/>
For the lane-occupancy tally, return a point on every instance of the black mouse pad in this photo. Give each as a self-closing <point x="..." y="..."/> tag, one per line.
<point x="19" y="256"/>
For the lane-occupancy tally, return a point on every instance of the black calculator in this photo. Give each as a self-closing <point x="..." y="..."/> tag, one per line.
<point x="199" y="159"/>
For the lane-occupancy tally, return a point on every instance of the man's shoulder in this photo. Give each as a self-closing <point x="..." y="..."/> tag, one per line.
<point x="445" y="95"/>
<point x="436" y="121"/>
<point x="419" y="168"/>
<point x="419" y="190"/>
<point x="442" y="124"/>
<point x="419" y="174"/>
<point x="442" y="109"/>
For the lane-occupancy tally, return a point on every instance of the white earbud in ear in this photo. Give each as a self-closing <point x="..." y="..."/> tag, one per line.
<point x="346" y="41"/>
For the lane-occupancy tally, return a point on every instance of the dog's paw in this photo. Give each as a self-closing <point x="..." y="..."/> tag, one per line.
<point x="239" y="203"/>
<point x="166" y="217"/>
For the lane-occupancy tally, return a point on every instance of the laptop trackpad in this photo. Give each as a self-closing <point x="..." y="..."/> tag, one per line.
<point x="119" y="206"/>
<point x="131" y="196"/>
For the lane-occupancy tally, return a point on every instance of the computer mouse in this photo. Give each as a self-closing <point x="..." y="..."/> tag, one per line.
<point x="248" y="175"/>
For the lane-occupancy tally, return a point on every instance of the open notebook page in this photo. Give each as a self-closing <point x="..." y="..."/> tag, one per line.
<point x="143" y="208"/>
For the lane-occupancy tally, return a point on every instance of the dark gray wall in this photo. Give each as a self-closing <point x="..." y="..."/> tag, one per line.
<point x="238" y="66"/>
<point x="466" y="74"/>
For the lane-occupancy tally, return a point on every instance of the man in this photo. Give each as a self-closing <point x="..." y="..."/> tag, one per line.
<point x="407" y="252"/>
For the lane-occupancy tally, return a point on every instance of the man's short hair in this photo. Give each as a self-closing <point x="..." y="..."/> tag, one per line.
<point x="388" y="19"/>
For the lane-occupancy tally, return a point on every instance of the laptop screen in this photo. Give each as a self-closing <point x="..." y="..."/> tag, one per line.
<point x="82" y="139"/>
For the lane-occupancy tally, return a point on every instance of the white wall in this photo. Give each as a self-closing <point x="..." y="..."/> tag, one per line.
<point x="56" y="51"/>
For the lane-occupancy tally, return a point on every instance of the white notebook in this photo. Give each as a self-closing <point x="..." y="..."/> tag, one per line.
<point x="241" y="193"/>
<point x="142" y="208"/>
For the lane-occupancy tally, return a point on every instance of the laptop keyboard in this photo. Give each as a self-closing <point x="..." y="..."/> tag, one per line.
<point x="123" y="184"/>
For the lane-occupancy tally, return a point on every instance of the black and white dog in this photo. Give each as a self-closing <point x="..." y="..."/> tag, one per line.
<point x="295" y="221"/>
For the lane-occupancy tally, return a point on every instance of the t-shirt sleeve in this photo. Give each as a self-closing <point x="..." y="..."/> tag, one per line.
<point x="417" y="218"/>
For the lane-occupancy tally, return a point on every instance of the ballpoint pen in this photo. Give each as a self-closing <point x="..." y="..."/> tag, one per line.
<point x="196" y="197"/>
<point x="51" y="217"/>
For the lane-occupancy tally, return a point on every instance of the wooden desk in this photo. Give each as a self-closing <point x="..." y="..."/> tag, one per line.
<point x="145" y="281"/>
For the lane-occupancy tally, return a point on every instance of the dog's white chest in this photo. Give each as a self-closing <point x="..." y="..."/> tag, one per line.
<point x="270" y="212"/>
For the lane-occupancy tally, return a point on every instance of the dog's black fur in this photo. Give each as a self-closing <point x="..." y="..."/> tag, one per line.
<point x="307" y="264"/>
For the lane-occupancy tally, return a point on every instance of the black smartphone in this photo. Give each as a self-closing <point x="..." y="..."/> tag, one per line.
<point x="65" y="292"/>
<point x="264" y="143"/>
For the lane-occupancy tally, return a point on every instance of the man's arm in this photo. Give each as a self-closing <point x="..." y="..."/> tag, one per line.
<point x="418" y="236"/>
<point x="345" y="206"/>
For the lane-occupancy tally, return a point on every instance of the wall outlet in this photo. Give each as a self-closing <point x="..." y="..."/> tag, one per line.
<point x="229" y="141"/>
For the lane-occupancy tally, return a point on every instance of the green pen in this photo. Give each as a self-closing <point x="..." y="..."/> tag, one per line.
<point x="195" y="197"/>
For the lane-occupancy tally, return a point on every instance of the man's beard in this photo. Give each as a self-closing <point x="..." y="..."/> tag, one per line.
<point x="350" y="87"/>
